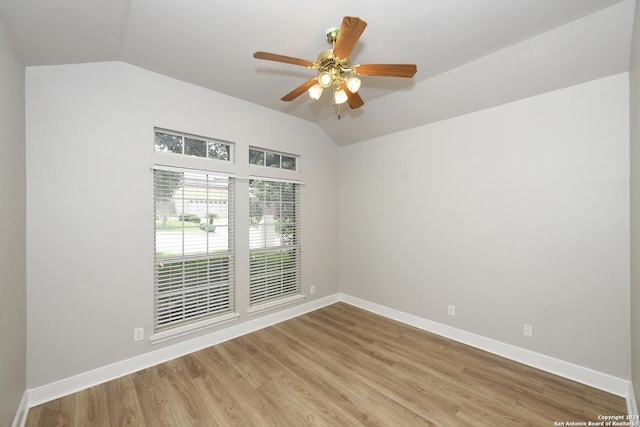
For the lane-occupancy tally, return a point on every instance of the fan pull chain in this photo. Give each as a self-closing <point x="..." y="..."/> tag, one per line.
<point x="338" y="111"/>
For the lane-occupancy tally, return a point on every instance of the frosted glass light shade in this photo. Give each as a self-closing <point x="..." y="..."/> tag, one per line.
<point x="353" y="83"/>
<point x="315" y="91"/>
<point x="324" y="79"/>
<point x="339" y="96"/>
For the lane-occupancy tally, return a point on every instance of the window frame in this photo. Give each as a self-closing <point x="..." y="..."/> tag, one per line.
<point x="186" y="281"/>
<point x="206" y="140"/>
<point x="265" y="152"/>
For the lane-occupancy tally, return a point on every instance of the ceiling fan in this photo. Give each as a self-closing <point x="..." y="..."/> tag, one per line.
<point x="334" y="68"/>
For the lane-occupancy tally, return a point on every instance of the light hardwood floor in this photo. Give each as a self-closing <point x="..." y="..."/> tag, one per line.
<point x="337" y="366"/>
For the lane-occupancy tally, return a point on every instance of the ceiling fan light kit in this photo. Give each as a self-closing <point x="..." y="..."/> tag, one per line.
<point x="353" y="83"/>
<point x="325" y="79"/>
<point x="339" y="96"/>
<point x="315" y="91"/>
<point x="334" y="68"/>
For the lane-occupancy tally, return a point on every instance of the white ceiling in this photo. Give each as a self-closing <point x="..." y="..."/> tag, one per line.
<point x="470" y="54"/>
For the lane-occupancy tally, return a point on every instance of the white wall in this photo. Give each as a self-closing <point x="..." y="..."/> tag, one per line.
<point x="634" y="82"/>
<point x="90" y="207"/>
<point x="515" y="214"/>
<point x="12" y="231"/>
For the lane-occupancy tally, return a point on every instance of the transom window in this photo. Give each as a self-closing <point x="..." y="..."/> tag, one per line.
<point x="272" y="159"/>
<point x="190" y="145"/>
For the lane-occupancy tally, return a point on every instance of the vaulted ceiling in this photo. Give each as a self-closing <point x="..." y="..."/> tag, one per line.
<point x="470" y="54"/>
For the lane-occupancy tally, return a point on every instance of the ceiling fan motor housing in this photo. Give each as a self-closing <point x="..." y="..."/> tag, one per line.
<point x="327" y="62"/>
<point x="334" y="67"/>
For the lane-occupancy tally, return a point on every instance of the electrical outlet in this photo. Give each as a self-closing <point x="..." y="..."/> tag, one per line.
<point x="528" y="331"/>
<point x="312" y="289"/>
<point x="452" y="310"/>
<point x="138" y="334"/>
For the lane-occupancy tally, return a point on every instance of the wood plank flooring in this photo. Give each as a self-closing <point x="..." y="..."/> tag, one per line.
<point x="337" y="366"/>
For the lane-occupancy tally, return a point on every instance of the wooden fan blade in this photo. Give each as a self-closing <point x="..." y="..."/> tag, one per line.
<point x="282" y="58"/>
<point x="385" y="70"/>
<point x="353" y="99"/>
<point x="299" y="90"/>
<point x="350" y="31"/>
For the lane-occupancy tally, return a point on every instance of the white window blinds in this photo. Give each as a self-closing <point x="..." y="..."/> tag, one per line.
<point x="194" y="253"/>
<point x="274" y="240"/>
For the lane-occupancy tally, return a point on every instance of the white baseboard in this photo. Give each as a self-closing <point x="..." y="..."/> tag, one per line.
<point x="21" y="414"/>
<point x="568" y="370"/>
<point x="602" y="381"/>
<point x="632" y="407"/>
<point x="48" y="392"/>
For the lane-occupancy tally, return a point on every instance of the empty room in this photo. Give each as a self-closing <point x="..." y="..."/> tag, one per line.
<point x="277" y="213"/>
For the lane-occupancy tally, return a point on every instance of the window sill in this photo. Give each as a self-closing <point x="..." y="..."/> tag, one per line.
<point x="275" y="303"/>
<point x="191" y="328"/>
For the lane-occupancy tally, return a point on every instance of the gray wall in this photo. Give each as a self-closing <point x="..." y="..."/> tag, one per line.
<point x="518" y="214"/>
<point x="12" y="232"/>
<point x="634" y="81"/>
<point x="90" y="207"/>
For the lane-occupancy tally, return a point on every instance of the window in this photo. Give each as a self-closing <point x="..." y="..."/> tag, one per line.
<point x="271" y="159"/>
<point x="189" y="145"/>
<point x="194" y="254"/>
<point x="274" y="240"/>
